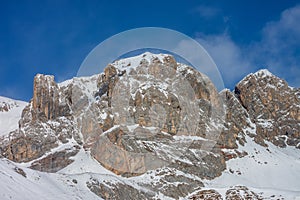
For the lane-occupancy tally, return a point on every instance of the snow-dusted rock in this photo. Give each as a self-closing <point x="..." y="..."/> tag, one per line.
<point x="273" y="106"/>
<point x="10" y="113"/>
<point x="151" y="128"/>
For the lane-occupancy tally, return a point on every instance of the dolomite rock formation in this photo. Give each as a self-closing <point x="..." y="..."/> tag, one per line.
<point x="45" y="122"/>
<point x="273" y="106"/>
<point x="150" y="116"/>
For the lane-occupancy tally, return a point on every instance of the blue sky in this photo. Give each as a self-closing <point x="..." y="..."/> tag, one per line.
<point x="54" y="37"/>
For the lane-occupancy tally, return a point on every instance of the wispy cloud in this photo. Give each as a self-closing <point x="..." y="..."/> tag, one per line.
<point x="207" y="11"/>
<point x="278" y="50"/>
<point x="228" y="57"/>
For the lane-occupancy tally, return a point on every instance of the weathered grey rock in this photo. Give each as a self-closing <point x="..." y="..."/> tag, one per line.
<point x="157" y="119"/>
<point x="55" y="161"/>
<point x="45" y="122"/>
<point x="234" y="193"/>
<point x="206" y="195"/>
<point x="45" y="100"/>
<point x="20" y="171"/>
<point x="241" y="193"/>
<point x="24" y="148"/>
<point x="120" y="150"/>
<point x="237" y="119"/>
<point x="273" y="106"/>
<point x="117" y="191"/>
<point x="171" y="182"/>
<point x="6" y="106"/>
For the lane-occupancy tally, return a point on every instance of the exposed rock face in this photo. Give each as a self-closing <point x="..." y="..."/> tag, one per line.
<point x="23" y="148"/>
<point x="273" y="106"/>
<point x="147" y="114"/>
<point x="242" y="192"/>
<point x="47" y="102"/>
<point x="206" y="194"/>
<point x="45" y="97"/>
<point x="234" y="193"/>
<point x="150" y="116"/>
<point x="237" y="120"/>
<point x="6" y="106"/>
<point x="56" y="161"/>
<point x="45" y="122"/>
<point x="117" y="191"/>
<point x="171" y="182"/>
<point x="237" y="126"/>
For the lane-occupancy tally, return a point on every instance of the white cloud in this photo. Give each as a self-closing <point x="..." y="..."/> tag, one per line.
<point x="278" y="50"/>
<point x="194" y="53"/>
<point x="227" y="56"/>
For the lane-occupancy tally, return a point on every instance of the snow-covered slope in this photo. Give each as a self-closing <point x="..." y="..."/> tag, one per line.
<point x="272" y="170"/>
<point x="134" y="62"/>
<point x="10" y="114"/>
<point x="38" y="185"/>
<point x="75" y="134"/>
<point x="21" y="183"/>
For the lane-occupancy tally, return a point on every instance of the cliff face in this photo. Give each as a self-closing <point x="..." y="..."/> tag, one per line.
<point x="45" y="123"/>
<point x="273" y="106"/>
<point x="150" y="112"/>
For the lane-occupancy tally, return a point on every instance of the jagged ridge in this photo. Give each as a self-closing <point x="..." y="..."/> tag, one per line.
<point x="64" y="119"/>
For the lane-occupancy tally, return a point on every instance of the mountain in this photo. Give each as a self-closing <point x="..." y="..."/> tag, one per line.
<point x="151" y="128"/>
<point x="10" y="113"/>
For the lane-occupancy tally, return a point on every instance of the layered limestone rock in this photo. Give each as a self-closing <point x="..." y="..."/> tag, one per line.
<point x="242" y="192"/>
<point x="237" y="125"/>
<point x="149" y="116"/>
<point x="24" y="148"/>
<point x="273" y="106"/>
<point x="117" y="191"/>
<point x="45" y="97"/>
<point x="45" y="123"/>
<point x="147" y="103"/>
<point x="206" y="194"/>
<point x="47" y="102"/>
<point x="55" y="161"/>
<point x="237" y="120"/>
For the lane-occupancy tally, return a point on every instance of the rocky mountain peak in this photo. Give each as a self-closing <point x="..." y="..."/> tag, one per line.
<point x="264" y="78"/>
<point x="159" y="122"/>
<point x="263" y="73"/>
<point x="147" y="57"/>
<point x="272" y="105"/>
<point x="142" y="102"/>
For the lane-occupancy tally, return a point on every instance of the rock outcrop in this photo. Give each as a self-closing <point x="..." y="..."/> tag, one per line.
<point x="117" y="191"/>
<point x="273" y="106"/>
<point x="149" y="116"/>
<point x="45" y="123"/>
<point x="6" y="106"/>
<point x="206" y="194"/>
<point x="55" y="161"/>
<point x="45" y="100"/>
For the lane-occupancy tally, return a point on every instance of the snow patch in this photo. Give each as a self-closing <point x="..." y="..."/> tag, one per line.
<point x="271" y="170"/>
<point x="263" y="73"/>
<point x="9" y="120"/>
